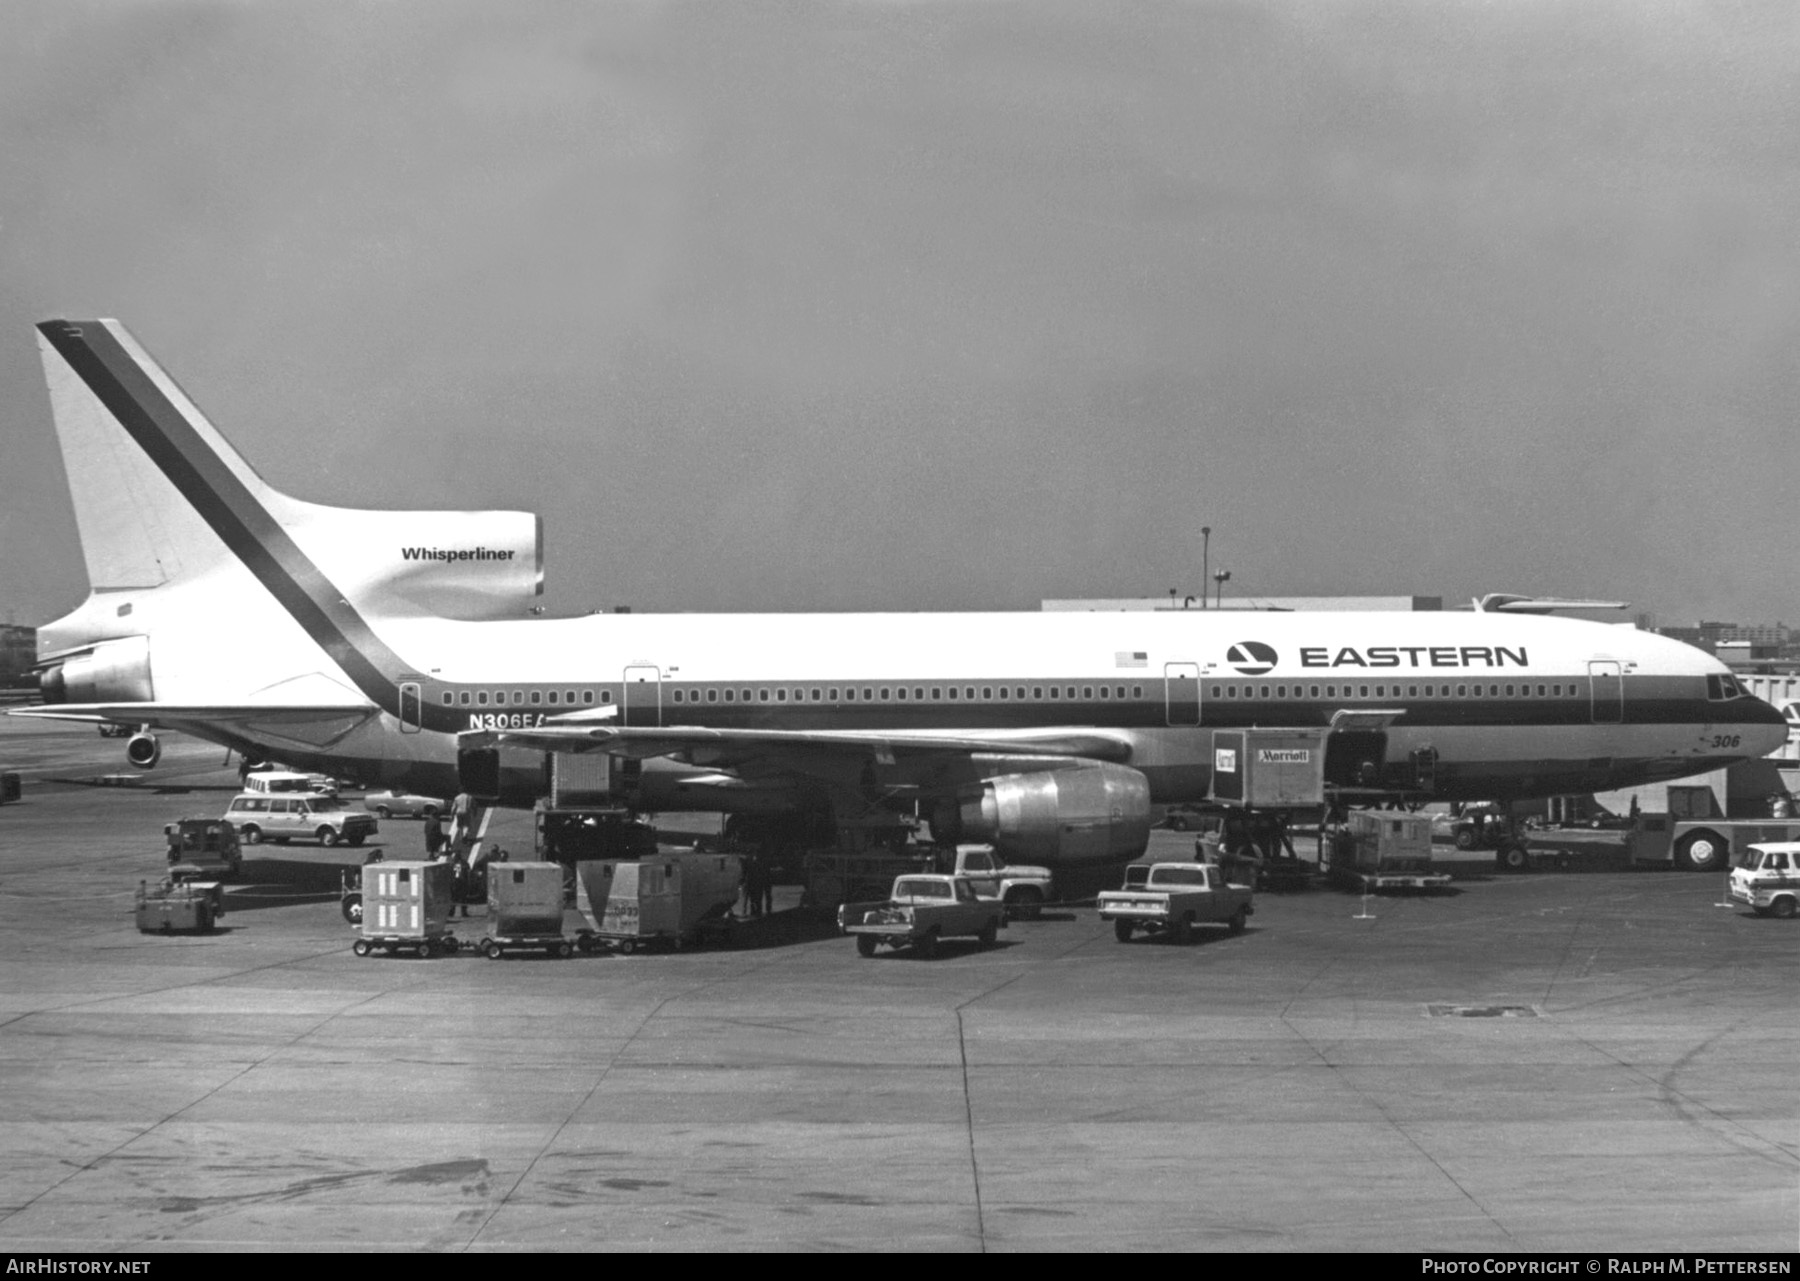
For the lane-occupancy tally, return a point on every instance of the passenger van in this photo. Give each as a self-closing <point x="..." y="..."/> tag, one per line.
<point x="1767" y="879"/>
<point x="283" y="817"/>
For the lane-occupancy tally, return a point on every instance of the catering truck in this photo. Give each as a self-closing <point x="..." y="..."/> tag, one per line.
<point x="921" y="911"/>
<point x="1173" y="898"/>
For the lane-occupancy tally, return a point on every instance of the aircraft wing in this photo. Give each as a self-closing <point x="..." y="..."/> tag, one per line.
<point x="726" y="748"/>
<point x="304" y="724"/>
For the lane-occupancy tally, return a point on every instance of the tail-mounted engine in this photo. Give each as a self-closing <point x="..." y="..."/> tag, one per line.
<point x="1084" y="814"/>
<point x="114" y="671"/>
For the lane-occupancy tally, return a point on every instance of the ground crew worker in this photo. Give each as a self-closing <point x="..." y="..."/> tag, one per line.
<point x="434" y="836"/>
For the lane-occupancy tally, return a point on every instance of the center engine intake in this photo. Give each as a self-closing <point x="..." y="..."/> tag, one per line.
<point x="1096" y="813"/>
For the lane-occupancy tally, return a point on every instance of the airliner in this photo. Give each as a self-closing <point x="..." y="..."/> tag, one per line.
<point x="399" y="647"/>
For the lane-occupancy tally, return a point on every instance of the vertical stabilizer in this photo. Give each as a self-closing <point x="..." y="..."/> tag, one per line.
<point x="137" y="531"/>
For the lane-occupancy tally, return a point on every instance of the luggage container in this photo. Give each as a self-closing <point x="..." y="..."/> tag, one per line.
<point x="679" y="899"/>
<point x="184" y="906"/>
<point x="1386" y="850"/>
<point x="406" y="906"/>
<point x="525" y="910"/>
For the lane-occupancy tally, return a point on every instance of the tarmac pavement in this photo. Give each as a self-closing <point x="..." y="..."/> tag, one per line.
<point x="1553" y="1061"/>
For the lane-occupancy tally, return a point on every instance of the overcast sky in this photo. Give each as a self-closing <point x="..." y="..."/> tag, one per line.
<point x="950" y="306"/>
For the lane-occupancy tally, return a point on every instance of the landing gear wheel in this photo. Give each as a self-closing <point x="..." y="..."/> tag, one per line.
<point x="865" y="945"/>
<point x="1514" y="858"/>
<point x="361" y="947"/>
<point x="492" y="950"/>
<point x="1122" y="931"/>
<point x="1702" y="851"/>
<point x="352" y="908"/>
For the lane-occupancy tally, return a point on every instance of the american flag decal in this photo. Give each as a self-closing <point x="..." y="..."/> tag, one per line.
<point x="1131" y="658"/>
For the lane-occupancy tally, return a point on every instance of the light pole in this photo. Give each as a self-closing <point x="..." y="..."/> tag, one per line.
<point x="1205" y="552"/>
<point x="1220" y="578"/>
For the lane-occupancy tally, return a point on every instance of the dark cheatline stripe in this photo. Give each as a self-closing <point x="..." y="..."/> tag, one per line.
<point x="228" y="507"/>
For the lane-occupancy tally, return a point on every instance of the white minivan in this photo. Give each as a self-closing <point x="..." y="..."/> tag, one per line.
<point x="1767" y="879"/>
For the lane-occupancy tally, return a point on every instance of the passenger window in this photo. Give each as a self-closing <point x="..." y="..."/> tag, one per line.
<point x="936" y="693"/>
<point x="918" y="694"/>
<point x="1003" y="693"/>
<point x="712" y="695"/>
<point x="1381" y="691"/>
<point x="833" y="695"/>
<point x="730" y="695"/>
<point x="953" y="692"/>
<point x="569" y="697"/>
<point x="463" y="698"/>
<point x="1777" y="863"/>
<point x="780" y="695"/>
<point x="448" y="698"/>
<point x="987" y="692"/>
<point x="518" y="698"/>
<point x="537" y="696"/>
<point x="1137" y="691"/>
<point x="1364" y="691"/>
<point x="1462" y="691"/>
<point x="868" y="694"/>
<point x="587" y="696"/>
<point x="1313" y="692"/>
<point x="884" y="693"/>
<point x="675" y="696"/>
<point x="815" y="695"/>
<point x="481" y="697"/>
<point x="1037" y="691"/>
<point x="1055" y="692"/>
<point x="1265" y="691"/>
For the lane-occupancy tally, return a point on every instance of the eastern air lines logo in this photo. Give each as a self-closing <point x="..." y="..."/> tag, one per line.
<point x="1252" y="658"/>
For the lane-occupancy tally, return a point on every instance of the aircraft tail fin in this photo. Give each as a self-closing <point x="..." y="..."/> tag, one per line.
<point x="121" y="422"/>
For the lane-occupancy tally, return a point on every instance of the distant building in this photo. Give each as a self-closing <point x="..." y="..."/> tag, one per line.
<point x="1297" y="604"/>
<point x="18" y="651"/>
<point x="1741" y="644"/>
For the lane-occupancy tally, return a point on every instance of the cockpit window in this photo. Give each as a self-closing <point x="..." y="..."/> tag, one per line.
<point x="1720" y="688"/>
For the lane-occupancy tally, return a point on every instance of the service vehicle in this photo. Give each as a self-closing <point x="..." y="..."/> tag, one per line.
<point x="202" y="847"/>
<point x="1487" y="826"/>
<point x="1022" y="887"/>
<point x="1767" y="879"/>
<point x="273" y="781"/>
<point x="403" y="804"/>
<point x="261" y="816"/>
<point x="179" y="906"/>
<point x="1173" y="898"/>
<point x="920" y="912"/>
<point x="1703" y="829"/>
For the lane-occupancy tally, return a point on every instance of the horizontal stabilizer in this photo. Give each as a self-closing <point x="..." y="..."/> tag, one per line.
<point x="301" y="725"/>
<point x="1503" y="603"/>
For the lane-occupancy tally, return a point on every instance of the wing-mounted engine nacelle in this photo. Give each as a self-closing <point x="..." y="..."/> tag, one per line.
<point x="463" y="565"/>
<point x="1084" y="814"/>
<point x="114" y="671"/>
<point x="143" y="750"/>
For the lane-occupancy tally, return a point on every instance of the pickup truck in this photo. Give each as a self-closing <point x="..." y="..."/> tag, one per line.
<point x="1024" y="889"/>
<point x="1173" y="898"/>
<point x="919" y="912"/>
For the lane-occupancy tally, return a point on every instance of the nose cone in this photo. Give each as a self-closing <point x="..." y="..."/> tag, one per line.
<point x="1761" y="726"/>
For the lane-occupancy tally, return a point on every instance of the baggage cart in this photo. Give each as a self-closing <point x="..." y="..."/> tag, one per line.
<point x="1386" y="850"/>
<point x="406" y="907"/>
<point x="525" y="911"/>
<point x="190" y="907"/>
<point x="678" y="899"/>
